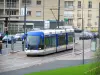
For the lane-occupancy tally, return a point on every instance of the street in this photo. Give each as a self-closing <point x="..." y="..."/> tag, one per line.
<point x="18" y="45"/>
<point x="10" y="62"/>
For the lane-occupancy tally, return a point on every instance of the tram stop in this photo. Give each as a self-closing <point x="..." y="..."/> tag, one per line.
<point x="93" y="44"/>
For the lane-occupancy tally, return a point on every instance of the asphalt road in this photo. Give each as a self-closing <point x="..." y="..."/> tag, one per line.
<point x="22" y="60"/>
<point x="46" y="66"/>
<point x="18" y="45"/>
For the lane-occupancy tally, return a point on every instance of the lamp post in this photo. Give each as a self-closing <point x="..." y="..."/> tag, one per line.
<point x="43" y="9"/>
<point x="83" y="31"/>
<point x="24" y="25"/>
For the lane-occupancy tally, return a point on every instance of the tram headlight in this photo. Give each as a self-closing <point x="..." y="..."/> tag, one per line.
<point x="39" y="48"/>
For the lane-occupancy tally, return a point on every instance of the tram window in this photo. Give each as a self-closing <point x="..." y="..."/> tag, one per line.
<point x="61" y="40"/>
<point x="70" y="39"/>
<point x="53" y="41"/>
<point x="47" y="41"/>
<point x="50" y="41"/>
<point x="41" y="45"/>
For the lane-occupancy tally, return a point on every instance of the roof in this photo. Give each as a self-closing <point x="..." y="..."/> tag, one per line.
<point x="50" y="31"/>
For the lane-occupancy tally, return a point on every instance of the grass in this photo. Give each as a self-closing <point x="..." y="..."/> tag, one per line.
<point x="86" y="69"/>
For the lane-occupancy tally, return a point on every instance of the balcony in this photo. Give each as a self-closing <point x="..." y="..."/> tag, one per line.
<point x="69" y="16"/>
<point x="1" y="5"/>
<point x="12" y="5"/>
<point x="69" y="7"/>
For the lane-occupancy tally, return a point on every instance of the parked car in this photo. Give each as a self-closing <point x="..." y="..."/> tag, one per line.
<point x="9" y="38"/>
<point x="1" y="36"/>
<point x="77" y="30"/>
<point x="96" y="35"/>
<point x="19" y="36"/>
<point x="86" y="35"/>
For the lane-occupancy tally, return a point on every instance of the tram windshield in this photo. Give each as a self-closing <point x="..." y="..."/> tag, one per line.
<point x="34" y="43"/>
<point x="33" y="40"/>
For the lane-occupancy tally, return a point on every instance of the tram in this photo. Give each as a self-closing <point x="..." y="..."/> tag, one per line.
<point x="44" y="42"/>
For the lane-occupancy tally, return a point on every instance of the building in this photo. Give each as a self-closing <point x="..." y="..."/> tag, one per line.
<point x="38" y="11"/>
<point x="10" y="8"/>
<point x="88" y="10"/>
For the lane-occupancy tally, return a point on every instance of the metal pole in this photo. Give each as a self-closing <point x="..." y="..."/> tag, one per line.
<point x="25" y="18"/>
<point x="43" y="11"/>
<point x="24" y="22"/>
<point x="9" y="16"/>
<point x="99" y="26"/>
<point x="58" y="12"/>
<point x="83" y="30"/>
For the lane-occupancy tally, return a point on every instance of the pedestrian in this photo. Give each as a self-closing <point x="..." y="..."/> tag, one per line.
<point x="0" y="47"/>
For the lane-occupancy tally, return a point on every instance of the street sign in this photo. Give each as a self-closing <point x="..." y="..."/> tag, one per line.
<point x="66" y="19"/>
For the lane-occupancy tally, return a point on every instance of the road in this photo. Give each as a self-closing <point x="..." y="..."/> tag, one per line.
<point x="12" y="63"/>
<point x="18" y="45"/>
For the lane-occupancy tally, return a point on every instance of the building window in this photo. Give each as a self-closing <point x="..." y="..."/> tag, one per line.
<point x="69" y="22"/>
<point x="89" y="13"/>
<point x="68" y="4"/>
<point x="11" y="12"/>
<point x="11" y="3"/>
<point x="90" y="4"/>
<point x="79" y="13"/>
<point x="38" y="13"/>
<point x="79" y="4"/>
<point x="38" y="2"/>
<point x="28" y="2"/>
<point x="89" y="22"/>
<point x="29" y="13"/>
<point x="79" y="22"/>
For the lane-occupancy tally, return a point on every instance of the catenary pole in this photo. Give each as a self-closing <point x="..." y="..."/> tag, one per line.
<point x="83" y="31"/>
<point x="99" y="26"/>
<point x="58" y="12"/>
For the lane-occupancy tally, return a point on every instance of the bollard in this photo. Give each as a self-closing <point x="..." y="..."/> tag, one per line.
<point x="12" y="44"/>
<point x="22" y="45"/>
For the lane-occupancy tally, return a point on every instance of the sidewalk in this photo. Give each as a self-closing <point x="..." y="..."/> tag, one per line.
<point x="20" y="60"/>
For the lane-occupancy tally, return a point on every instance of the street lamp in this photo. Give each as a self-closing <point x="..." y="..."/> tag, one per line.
<point x="24" y="24"/>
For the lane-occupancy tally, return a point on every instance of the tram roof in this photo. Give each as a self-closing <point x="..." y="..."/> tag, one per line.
<point x="53" y="31"/>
